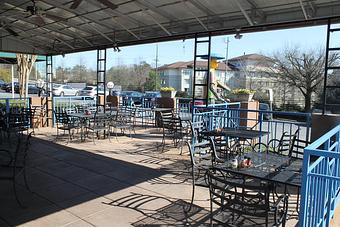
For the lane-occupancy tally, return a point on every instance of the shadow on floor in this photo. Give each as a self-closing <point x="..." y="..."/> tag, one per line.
<point x="62" y="177"/>
<point x="169" y="211"/>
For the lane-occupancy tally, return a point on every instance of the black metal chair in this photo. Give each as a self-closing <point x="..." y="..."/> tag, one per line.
<point x="282" y="146"/>
<point x="203" y="156"/>
<point x="18" y="121"/>
<point x="99" y="124"/>
<point x="173" y="128"/>
<point x="123" y="119"/>
<point x="239" y="202"/>
<point x="64" y="123"/>
<point x="15" y="165"/>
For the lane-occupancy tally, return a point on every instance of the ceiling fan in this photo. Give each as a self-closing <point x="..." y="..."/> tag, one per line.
<point x="39" y="15"/>
<point x="36" y="14"/>
<point x="106" y="3"/>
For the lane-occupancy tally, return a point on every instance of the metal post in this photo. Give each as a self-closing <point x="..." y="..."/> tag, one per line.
<point x="156" y="67"/>
<point x="101" y="77"/>
<point x="226" y="60"/>
<point x="326" y="67"/>
<point x="12" y="81"/>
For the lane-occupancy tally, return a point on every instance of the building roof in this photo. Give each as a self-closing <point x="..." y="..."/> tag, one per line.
<point x="190" y="64"/>
<point x="56" y="27"/>
<point x="251" y="57"/>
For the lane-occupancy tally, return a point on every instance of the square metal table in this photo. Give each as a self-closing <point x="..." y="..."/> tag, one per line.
<point x="236" y="133"/>
<point x="83" y="119"/>
<point x="270" y="167"/>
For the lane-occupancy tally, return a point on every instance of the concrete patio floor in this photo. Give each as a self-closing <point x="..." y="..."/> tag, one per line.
<point x="125" y="182"/>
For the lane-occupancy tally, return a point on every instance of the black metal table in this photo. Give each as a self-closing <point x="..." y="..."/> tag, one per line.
<point x="270" y="167"/>
<point x="83" y="120"/>
<point x="235" y="133"/>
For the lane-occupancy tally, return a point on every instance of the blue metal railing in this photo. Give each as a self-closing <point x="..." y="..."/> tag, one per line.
<point x="233" y="116"/>
<point x="73" y="104"/>
<point x="10" y="104"/>
<point x="320" y="180"/>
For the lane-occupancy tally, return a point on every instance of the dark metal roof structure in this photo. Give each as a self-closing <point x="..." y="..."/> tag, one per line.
<point x="66" y="26"/>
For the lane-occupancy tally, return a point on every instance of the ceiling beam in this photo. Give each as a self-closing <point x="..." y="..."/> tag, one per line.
<point x="244" y="13"/>
<point x="124" y="27"/>
<point x="202" y="7"/>
<point x="159" y="24"/>
<point x="256" y="8"/>
<point x="303" y="10"/>
<point x="194" y="15"/>
<point x="159" y="11"/>
<point x="28" y="43"/>
<point x="95" y="28"/>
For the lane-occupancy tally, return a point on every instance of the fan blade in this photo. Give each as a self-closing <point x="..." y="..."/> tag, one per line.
<point x="38" y="20"/>
<point x="11" y="31"/>
<point x="108" y="4"/>
<point x="53" y="17"/>
<point x="75" y="4"/>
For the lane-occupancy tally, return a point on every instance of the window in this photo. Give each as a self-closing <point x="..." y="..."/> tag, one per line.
<point x="186" y="72"/>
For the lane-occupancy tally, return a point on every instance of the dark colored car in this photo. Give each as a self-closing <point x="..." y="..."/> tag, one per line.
<point x="9" y="86"/>
<point x="32" y="88"/>
<point x="2" y="83"/>
<point x="265" y="107"/>
<point x="135" y="96"/>
<point x="3" y="86"/>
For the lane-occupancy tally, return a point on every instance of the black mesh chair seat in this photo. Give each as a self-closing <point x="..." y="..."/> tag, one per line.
<point x="241" y="201"/>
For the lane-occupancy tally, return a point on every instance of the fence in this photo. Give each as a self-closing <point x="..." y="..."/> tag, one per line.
<point x="320" y="180"/>
<point x="73" y="104"/>
<point x="230" y="115"/>
<point x="11" y="104"/>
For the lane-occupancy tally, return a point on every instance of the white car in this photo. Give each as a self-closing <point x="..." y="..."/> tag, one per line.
<point x="64" y="90"/>
<point x="92" y="91"/>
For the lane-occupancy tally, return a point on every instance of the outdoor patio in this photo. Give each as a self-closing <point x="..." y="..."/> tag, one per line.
<point x="128" y="181"/>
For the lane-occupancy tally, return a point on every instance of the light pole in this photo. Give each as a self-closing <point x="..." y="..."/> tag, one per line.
<point x="156" y="66"/>
<point x="227" y="41"/>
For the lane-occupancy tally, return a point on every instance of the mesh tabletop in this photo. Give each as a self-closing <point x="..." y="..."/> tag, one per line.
<point x="271" y="167"/>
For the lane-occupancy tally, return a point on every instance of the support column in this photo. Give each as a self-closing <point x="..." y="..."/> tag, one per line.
<point x="101" y="79"/>
<point x="48" y="104"/>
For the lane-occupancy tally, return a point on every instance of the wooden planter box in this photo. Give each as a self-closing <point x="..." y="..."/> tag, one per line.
<point x="168" y="94"/>
<point x="242" y="97"/>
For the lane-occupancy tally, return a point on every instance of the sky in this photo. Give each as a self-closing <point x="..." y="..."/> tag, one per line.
<point x="183" y="50"/>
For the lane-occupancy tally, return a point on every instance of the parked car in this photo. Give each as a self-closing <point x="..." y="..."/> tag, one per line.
<point x="265" y="107"/>
<point x="32" y="89"/>
<point x="64" y="90"/>
<point x="9" y="86"/>
<point x="3" y="86"/>
<point x="2" y="83"/>
<point x="92" y="91"/>
<point x="137" y="97"/>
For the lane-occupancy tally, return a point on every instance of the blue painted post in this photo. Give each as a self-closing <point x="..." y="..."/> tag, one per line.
<point x="304" y="189"/>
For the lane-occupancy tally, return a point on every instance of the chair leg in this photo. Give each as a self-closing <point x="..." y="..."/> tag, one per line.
<point x="193" y="190"/>
<point x="16" y="193"/>
<point x="25" y="180"/>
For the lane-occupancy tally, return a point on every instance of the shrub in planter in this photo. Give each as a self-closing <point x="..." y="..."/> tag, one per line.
<point x="242" y="95"/>
<point x="168" y="92"/>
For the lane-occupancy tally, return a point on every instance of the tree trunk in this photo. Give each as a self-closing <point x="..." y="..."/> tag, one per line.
<point x="308" y="99"/>
<point x="25" y="64"/>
